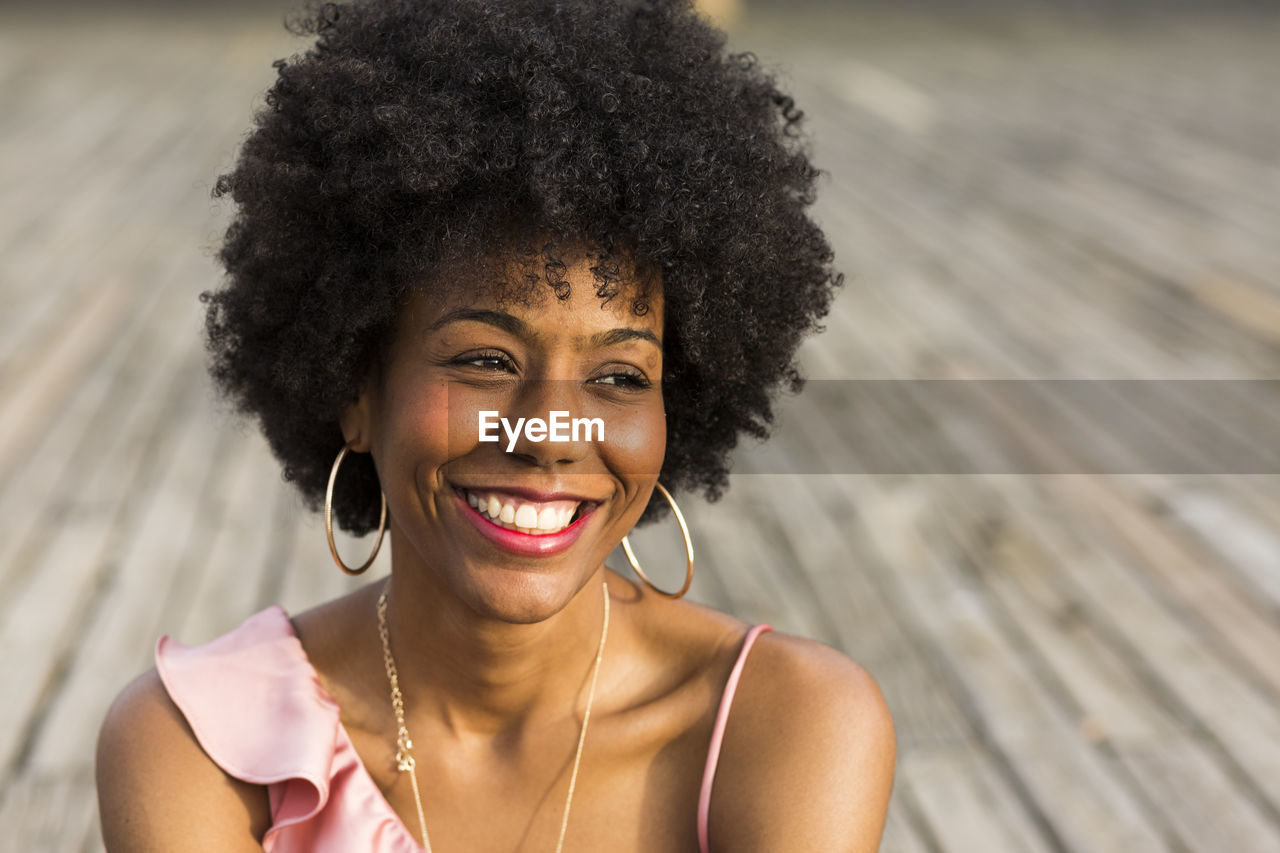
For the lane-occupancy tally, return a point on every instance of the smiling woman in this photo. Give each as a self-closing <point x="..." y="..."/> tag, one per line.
<point x="459" y="209"/>
<point x="416" y="414"/>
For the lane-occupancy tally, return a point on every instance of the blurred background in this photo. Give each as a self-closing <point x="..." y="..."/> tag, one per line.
<point x="1081" y="650"/>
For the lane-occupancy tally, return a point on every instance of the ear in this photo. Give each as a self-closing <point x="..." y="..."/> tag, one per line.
<point x="357" y="419"/>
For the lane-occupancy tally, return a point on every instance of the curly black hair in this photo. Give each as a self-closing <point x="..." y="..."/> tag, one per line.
<point x="419" y="134"/>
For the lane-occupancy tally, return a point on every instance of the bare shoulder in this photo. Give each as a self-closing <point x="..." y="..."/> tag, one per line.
<point x="808" y="755"/>
<point x="681" y="635"/>
<point x="158" y="790"/>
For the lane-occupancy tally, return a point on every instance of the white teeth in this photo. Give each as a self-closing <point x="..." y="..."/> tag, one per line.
<point x="526" y="516"/>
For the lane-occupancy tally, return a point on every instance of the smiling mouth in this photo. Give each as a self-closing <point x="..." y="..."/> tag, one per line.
<point x="524" y="516"/>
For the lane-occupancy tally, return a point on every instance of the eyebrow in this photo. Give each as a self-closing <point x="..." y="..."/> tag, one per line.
<point x="505" y="322"/>
<point x="622" y="335"/>
<point x="515" y="326"/>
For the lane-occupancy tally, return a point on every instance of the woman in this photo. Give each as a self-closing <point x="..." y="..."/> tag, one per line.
<point x="502" y="270"/>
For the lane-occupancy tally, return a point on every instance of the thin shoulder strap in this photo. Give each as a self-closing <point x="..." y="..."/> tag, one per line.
<point x="717" y="734"/>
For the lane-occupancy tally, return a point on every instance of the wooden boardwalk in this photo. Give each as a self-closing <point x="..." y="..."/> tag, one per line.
<point x="1077" y="659"/>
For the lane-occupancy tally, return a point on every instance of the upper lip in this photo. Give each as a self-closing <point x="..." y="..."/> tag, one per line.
<point x="531" y="495"/>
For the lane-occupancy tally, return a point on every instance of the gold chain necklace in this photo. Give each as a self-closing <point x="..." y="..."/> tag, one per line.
<point x="404" y="760"/>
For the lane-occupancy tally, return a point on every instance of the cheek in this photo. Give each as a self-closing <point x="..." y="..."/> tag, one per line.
<point x="422" y="424"/>
<point x="636" y="441"/>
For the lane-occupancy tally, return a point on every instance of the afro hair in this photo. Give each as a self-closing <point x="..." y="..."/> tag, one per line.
<point x="415" y="134"/>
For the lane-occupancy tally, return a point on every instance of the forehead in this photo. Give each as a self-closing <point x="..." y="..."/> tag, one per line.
<point x="578" y="292"/>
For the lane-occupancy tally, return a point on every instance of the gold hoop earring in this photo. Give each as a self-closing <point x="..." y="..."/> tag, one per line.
<point x="328" y="520"/>
<point x="688" y="550"/>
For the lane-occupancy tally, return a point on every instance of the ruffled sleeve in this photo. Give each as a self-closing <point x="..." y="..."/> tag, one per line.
<point x="259" y="711"/>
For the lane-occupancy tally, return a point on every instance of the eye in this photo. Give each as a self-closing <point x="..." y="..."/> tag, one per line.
<point x="626" y="379"/>
<point x="488" y="360"/>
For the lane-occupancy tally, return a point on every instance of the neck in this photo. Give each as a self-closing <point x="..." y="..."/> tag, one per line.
<point x="482" y="676"/>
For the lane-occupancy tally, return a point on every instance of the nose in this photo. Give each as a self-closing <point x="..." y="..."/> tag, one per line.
<point x="554" y="431"/>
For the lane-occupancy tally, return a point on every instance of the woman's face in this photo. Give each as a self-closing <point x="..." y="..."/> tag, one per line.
<point x="512" y="519"/>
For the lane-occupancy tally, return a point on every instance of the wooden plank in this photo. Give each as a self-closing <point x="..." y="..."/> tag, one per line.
<point x="1074" y="786"/>
<point x="1207" y="812"/>
<point x="1156" y="90"/>
<point x="1190" y="681"/>
<point x="1215" y="427"/>
<point x="1226" y="525"/>
<point x="93" y="843"/>
<point x="1108" y="701"/>
<point x="156" y="567"/>
<point x="226" y="589"/>
<point x="1009" y="300"/>
<point x="1110" y="712"/>
<point x="36" y="639"/>
<point x="966" y="802"/>
<point x="972" y="209"/>
<point x="903" y="831"/>
<point x="102" y="434"/>
<point x="49" y="812"/>
<point x="825" y="537"/>
<point x="739" y="555"/>
<point x="154" y="175"/>
<point x="1243" y="302"/>
<point x="50" y="245"/>
<point x="1055" y="627"/>
<point x="1247" y="638"/>
<point x="68" y="446"/>
<point x="952" y="316"/>
<point x="1022" y="203"/>
<point x="27" y="408"/>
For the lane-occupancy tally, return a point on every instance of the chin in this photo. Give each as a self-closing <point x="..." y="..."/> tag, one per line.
<point x="518" y="596"/>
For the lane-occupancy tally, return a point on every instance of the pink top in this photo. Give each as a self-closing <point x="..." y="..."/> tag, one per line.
<point x="258" y="709"/>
